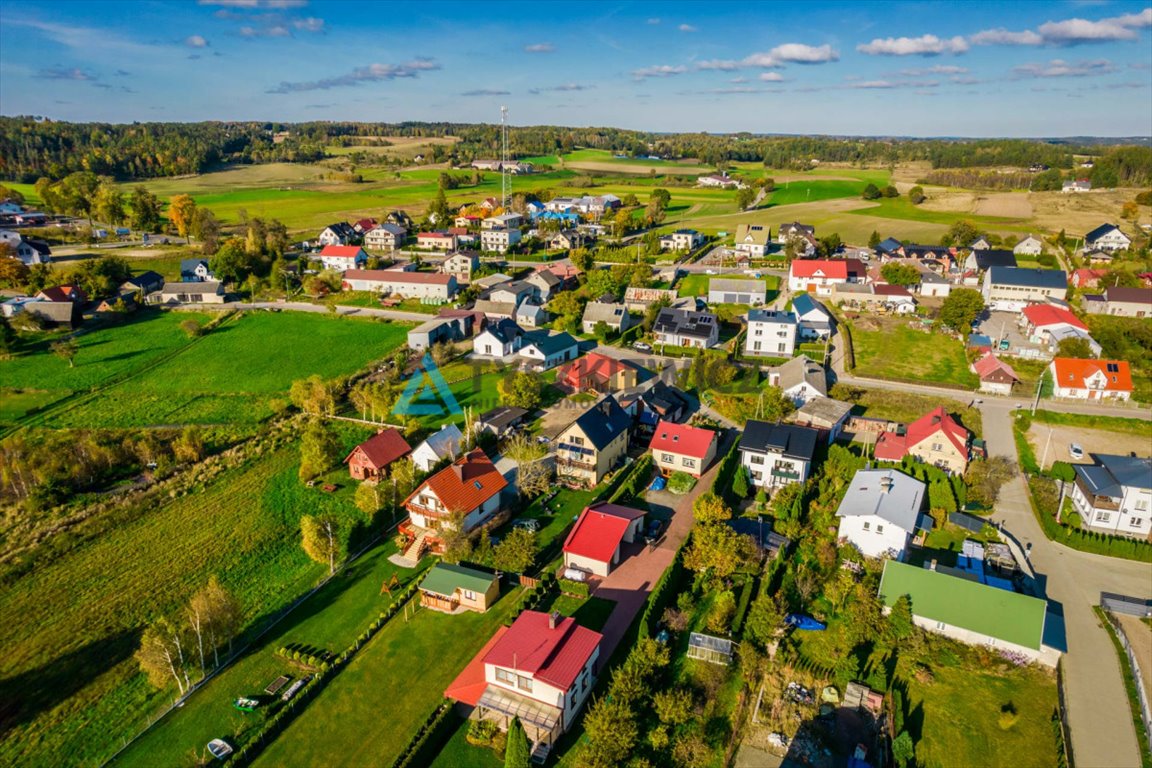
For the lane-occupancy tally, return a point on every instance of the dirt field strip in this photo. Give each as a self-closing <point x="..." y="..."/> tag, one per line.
<point x="1091" y="440"/>
<point x="1139" y="635"/>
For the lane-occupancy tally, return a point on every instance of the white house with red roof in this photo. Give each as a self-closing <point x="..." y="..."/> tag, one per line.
<point x="934" y="438"/>
<point x="371" y="458"/>
<point x="683" y="448"/>
<point x="343" y="257"/>
<point x="996" y="376"/>
<point x="1091" y="379"/>
<point x="540" y="670"/>
<point x="819" y="275"/>
<point x="1049" y="324"/>
<point x="468" y="493"/>
<point x="396" y="282"/>
<point x="595" y="542"/>
<point x="440" y="241"/>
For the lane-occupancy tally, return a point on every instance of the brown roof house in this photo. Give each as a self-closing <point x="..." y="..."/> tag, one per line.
<point x="371" y="458"/>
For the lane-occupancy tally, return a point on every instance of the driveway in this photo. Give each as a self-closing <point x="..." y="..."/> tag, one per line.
<point x="634" y="578"/>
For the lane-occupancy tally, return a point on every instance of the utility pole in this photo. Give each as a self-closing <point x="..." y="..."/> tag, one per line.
<point x="1036" y="400"/>
<point x="1047" y="443"/>
<point x="504" y="158"/>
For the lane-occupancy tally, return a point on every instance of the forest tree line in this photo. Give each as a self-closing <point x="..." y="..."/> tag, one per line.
<point x="31" y="148"/>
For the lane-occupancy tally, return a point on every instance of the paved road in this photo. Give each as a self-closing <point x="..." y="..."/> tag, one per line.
<point x="1102" y="731"/>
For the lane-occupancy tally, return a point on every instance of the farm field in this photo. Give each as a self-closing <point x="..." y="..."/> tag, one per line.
<point x="68" y="655"/>
<point x="890" y="348"/>
<point x="237" y="373"/>
<point x="329" y="620"/>
<point x="368" y="712"/>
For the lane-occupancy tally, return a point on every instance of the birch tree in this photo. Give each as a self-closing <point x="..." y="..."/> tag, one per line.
<point x="322" y="539"/>
<point x="161" y="655"/>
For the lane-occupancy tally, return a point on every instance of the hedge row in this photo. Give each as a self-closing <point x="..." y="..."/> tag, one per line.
<point x="1078" y="538"/>
<point x="726" y="474"/>
<point x="532" y="599"/>
<point x="634" y="480"/>
<point x="284" y="716"/>
<point x="429" y="739"/>
<point x="742" y="603"/>
<point x="662" y="592"/>
<point x="575" y="588"/>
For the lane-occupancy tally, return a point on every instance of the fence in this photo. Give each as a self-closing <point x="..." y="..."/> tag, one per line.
<point x="1065" y="731"/>
<point x="1130" y="606"/>
<point x="1141" y="693"/>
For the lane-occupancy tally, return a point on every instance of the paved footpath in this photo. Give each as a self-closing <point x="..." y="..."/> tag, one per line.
<point x="632" y="581"/>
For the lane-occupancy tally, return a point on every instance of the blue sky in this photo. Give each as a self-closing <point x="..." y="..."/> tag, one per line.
<point x="885" y="68"/>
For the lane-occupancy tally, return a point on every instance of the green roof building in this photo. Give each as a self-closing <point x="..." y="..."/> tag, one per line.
<point x="451" y="588"/>
<point x="969" y="611"/>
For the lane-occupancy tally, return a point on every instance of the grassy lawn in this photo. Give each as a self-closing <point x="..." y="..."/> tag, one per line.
<point x="1137" y="427"/>
<point x="369" y="711"/>
<point x="69" y="627"/>
<point x="458" y="753"/>
<point x="960" y="717"/>
<point x="16" y="404"/>
<point x="806" y="191"/>
<point x="902" y="208"/>
<point x="696" y="284"/>
<point x="908" y="406"/>
<point x="242" y="369"/>
<point x="330" y="620"/>
<point x="889" y="348"/>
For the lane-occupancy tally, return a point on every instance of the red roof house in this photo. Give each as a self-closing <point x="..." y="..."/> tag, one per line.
<point x="541" y="669"/>
<point x="935" y="438"/>
<point x="996" y="376"/>
<point x="1040" y="317"/>
<point x="1091" y="379"/>
<point x="1088" y="278"/>
<point x="60" y="293"/>
<point x="470" y="488"/>
<point x="597" y="373"/>
<point x="682" y="448"/>
<point x="368" y="460"/>
<point x="343" y="257"/>
<point x="595" y="541"/>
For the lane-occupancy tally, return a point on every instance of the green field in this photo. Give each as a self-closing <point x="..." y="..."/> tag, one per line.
<point x="154" y="374"/>
<point x="330" y="620"/>
<point x="69" y="628"/>
<point x="697" y="284"/>
<point x="897" y="351"/>
<point x="805" y="191"/>
<point x="368" y="712"/>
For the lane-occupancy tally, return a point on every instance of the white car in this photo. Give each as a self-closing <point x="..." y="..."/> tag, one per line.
<point x="1075" y="451"/>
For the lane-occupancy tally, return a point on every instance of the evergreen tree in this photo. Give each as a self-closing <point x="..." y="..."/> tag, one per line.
<point x="516" y="753"/>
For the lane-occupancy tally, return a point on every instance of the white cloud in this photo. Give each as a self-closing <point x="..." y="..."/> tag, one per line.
<point x="653" y="21"/>
<point x="1062" y="68"/>
<point x="792" y="53"/>
<point x="278" y="4"/>
<point x="686" y="28"/>
<point x="62" y="73"/>
<point x="486" y="92"/>
<point x="738" y="80"/>
<point x="772" y="77"/>
<point x="86" y="39"/>
<point x="310" y="24"/>
<point x="660" y="70"/>
<point x="939" y="69"/>
<point x="195" y="41"/>
<point x="273" y="30"/>
<point x="370" y="74"/>
<point x="723" y="65"/>
<point x="925" y="45"/>
<point x="874" y="84"/>
<point x="1070" y="31"/>
<point x="539" y="48"/>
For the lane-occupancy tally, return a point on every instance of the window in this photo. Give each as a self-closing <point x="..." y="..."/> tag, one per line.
<point x="879" y="529"/>
<point x="782" y="347"/>
<point x="1103" y="517"/>
<point x="1141" y="505"/>
<point x="524" y="683"/>
<point x="505" y="676"/>
<point x="1137" y="522"/>
<point x="937" y="446"/>
<point x="755" y="346"/>
<point x="468" y="595"/>
<point x="576" y="440"/>
<point x="691" y="463"/>
<point x="756" y="459"/>
<point x="667" y="458"/>
<point x="940" y="625"/>
<point x="867" y="526"/>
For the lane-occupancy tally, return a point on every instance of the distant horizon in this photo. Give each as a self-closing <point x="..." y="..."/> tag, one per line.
<point x="1110" y="139"/>
<point x="1072" y="68"/>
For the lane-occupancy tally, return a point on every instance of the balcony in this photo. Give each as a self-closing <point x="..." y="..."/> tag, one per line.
<point x="785" y="474"/>
<point x="574" y="465"/>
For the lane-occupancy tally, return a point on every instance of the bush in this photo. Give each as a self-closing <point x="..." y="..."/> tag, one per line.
<point x="722" y="613"/>
<point x="577" y="588"/>
<point x="681" y="482"/>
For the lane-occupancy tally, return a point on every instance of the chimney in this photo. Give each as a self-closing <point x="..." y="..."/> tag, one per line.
<point x="458" y="469"/>
<point x="932" y="565"/>
<point x="554" y="619"/>
<point x="885" y="484"/>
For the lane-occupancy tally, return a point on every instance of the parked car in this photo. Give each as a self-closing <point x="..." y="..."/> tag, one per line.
<point x="641" y="346"/>
<point x="527" y="523"/>
<point x="1075" y="451"/>
<point x="654" y="529"/>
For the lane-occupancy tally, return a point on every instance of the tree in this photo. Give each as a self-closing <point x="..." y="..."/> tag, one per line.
<point x="900" y="623"/>
<point x="321" y="539"/>
<point x="985" y="478"/>
<point x="319" y="450"/>
<point x="916" y="195"/>
<point x="961" y="308"/>
<point x="66" y="349"/>
<point x="520" y="389"/>
<point x="895" y="273"/>
<point x="214" y="618"/>
<point x="582" y="259"/>
<point x="903" y="750"/>
<point x="717" y="549"/>
<point x="961" y="233"/>
<point x="764" y="619"/>
<point x="13" y="272"/>
<point x="516" y="551"/>
<point x="516" y="754"/>
<point x="189" y="446"/>
<point x="231" y="262"/>
<point x="438" y="211"/>
<point x="1047" y="181"/>
<point x="874" y="240"/>
<point x="673" y="706"/>
<point x="7" y="339"/>
<point x="182" y="214"/>
<point x="313" y="395"/>
<point x="1075" y="347"/>
<point x="161" y="654"/>
<point x="740" y="482"/>
<point x="145" y="210"/>
<point x="891" y="191"/>
<point x="368" y="499"/>
<point x="744" y="198"/>
<point x="871" y="192"/>
<point x="191" y="327"/>
<point x="206" y="228"/>
<point x="710" y="508"/>
<point x="830" y="244"/>
<point x="109" y="204"/>
<point x="723" y="609"/>
<point x="533" y="474"/>
<point x="277" y="238"/>
<point x="611" y="729"/>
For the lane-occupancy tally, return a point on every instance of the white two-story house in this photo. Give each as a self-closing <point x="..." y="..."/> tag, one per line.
<point x="771" y="333"/>
<point x="466" y="493"/>
<point x="881" y="512"/>
<point x="1114" y="495"/>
